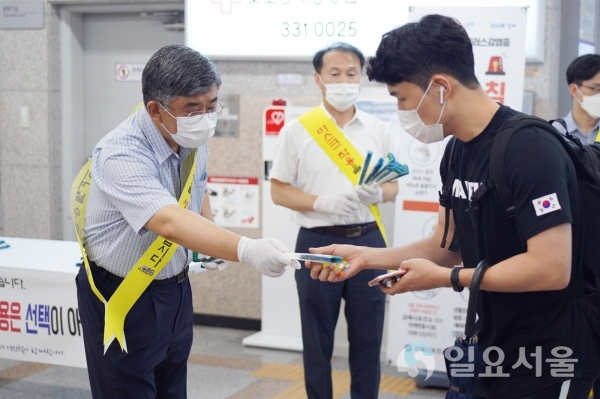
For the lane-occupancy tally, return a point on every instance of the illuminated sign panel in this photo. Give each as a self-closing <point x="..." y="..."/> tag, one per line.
<point x="296" y="29"/>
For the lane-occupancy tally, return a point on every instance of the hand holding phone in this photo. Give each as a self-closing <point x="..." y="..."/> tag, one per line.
<point x="387" y="279"/>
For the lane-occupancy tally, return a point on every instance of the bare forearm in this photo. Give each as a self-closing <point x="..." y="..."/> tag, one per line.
<point x="194" y="232"/>
<point x="546" y="265"/>
<point x="426" y="248"/>
<point x="390" y="190"/>
<point x="286" y="195"/>
<point x="521" y="273"/>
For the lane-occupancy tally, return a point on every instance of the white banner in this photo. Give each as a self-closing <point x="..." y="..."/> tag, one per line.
<point x="39" y="318"/>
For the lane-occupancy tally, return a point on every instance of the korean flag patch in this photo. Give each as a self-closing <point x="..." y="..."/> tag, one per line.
<point x="546" y="204"/>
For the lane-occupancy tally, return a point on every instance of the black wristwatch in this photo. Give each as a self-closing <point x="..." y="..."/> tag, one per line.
<point x="454" y="279"/>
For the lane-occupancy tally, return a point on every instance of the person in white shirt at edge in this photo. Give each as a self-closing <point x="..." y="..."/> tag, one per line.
<point x="137" y="176"/>
<point x="583" y="78"/>
<point x="330" y="210"/>
<point x="583" y="121"/>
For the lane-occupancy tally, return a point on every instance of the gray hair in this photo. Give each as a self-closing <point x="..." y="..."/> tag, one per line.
<point x="177" y="70"/>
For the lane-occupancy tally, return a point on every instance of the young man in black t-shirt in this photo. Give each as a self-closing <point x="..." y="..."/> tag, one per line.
<point x="527" y="311"/>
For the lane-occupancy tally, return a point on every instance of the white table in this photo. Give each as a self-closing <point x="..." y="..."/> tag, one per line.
<point x="39" y="319"/>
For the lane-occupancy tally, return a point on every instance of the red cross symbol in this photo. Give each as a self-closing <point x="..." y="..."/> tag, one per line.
<point x="226" y="5"/>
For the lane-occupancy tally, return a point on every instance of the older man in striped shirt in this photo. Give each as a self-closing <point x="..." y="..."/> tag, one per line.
<point x="138" y="173"/>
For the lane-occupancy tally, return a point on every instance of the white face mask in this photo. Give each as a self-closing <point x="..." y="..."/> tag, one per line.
<point x="192" y="132"/>
<point x="590" y="104"/>
<point x="413" y="124"/>
<point x="341" y="96"/>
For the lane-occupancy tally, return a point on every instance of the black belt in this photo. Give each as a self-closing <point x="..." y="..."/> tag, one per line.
<point x="155" y="283"/>
<point x="351" y="231"/>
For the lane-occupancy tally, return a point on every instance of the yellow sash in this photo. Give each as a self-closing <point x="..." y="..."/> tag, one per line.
<point x="341" y="151"/>
<point x="143" y="272"/>
<point x="598" y="136"/>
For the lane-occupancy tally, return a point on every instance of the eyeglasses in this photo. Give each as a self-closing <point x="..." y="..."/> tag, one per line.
<point x="211" y="112"/>
<point x="594" y="89"/>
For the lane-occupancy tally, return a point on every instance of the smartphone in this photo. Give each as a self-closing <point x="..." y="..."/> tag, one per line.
<point x="386" y="279"/>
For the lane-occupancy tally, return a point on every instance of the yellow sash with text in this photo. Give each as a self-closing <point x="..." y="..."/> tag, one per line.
<point x="143" y="272"/>
<point x="339" y="149"/>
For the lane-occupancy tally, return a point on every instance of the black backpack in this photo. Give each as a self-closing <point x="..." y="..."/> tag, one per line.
<point x="586" y="159"/>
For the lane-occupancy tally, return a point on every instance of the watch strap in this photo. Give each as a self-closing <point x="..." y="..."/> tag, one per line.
<point x="454" y="279"/>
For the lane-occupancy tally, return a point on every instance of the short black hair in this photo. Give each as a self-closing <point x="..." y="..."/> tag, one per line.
<point x="416" y="51"/>
<point x="583" y="68"/>
<point x="177" y="70"/>
<point x="339" y="46"/>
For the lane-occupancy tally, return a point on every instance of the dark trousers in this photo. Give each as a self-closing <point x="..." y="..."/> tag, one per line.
<point x="158" y="333"/>
<point x="579" y="388"/>
<point x="319" y="310"/>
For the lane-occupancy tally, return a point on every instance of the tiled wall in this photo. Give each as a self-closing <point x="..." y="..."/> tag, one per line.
<point x="30" y="159"/>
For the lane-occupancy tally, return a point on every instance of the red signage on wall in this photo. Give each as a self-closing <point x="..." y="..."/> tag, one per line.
<point x="274" y="121"/>
<point x="232" y="180"/>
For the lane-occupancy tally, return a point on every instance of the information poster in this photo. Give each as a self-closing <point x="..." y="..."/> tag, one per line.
<point x="234" y="201"/>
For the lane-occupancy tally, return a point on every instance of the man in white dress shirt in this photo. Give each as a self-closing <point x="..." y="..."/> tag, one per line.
<point x="329" y="209"/>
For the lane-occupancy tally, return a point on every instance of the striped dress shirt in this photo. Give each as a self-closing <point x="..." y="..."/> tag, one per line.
<point x="134" y="174"/>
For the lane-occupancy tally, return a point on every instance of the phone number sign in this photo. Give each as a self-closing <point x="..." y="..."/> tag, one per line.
<point x="285" y="29"/>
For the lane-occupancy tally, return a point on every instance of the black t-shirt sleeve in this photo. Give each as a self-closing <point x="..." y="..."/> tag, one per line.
<point x="538" y="172"/>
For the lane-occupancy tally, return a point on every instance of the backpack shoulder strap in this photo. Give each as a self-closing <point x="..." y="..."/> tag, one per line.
<point x="446" y="197"/>
<point x="497" y="157"/>
<point x="569" y="136"/>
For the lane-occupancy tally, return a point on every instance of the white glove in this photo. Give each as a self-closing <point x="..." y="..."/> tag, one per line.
<point x="343" y="204"/>
<point x="212" y="263"/>
<point x="266" y="255"/>
<point x="369" y="194"/>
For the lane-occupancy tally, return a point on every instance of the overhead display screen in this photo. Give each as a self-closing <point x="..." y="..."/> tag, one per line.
<point x="286" y="29"/>
<point x="296" y="29"/>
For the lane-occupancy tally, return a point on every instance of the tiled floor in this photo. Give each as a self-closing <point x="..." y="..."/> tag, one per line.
<point x="219" y="368"/>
